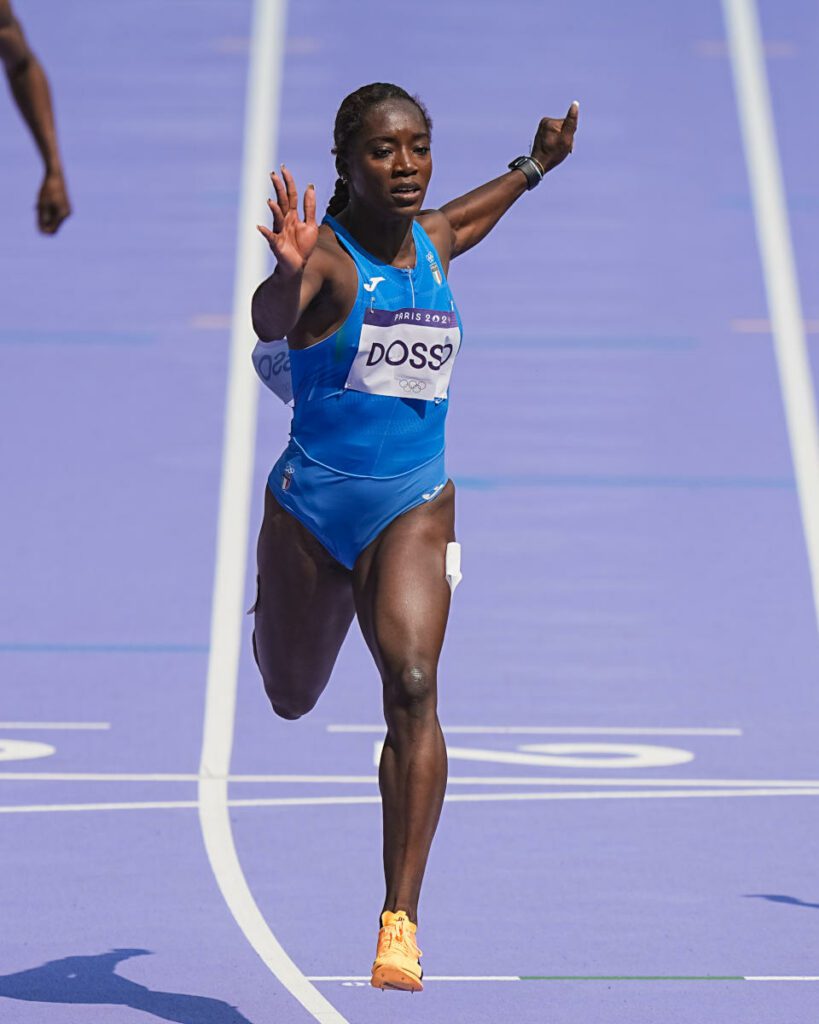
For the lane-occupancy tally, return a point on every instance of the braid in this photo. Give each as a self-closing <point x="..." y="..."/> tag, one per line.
<point x="350" y="118"/>
<point x="339" y="198"/>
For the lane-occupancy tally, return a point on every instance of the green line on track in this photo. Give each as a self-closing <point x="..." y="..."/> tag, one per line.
<point x="632" y="977"/>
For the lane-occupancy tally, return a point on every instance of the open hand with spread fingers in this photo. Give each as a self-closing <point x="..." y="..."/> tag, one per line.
<point x="555" y="138"/>
<point x="292" y="239"/>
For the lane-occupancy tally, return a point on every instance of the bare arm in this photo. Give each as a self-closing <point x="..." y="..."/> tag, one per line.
<point x="279" y="302"/>
<point x="472" y="216"/>
<point x="29" y="86"/>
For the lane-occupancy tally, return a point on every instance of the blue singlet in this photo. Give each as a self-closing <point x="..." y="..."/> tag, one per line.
<point x="370" y="403"/>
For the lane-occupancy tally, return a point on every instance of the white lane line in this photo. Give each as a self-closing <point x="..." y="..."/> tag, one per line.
<point x="629" y="795"/>
<point x="778" y="265"/>
<point x="454" y="780"/>
<point x="55" y="725"/>
<point x="143" y="805"/>
<point x="516" y="977"/>
<point x="427" y="977"/>
<point x="563" y="730"/>
<point x="234" y="880"/>
<point x="260" y="141"/>
<point x="782" y="977"/>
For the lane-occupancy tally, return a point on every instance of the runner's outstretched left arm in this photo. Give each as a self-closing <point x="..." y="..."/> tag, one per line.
<point x="471" y="217"/>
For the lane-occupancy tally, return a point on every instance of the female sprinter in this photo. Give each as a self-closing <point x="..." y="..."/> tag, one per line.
<point x="359" y="512"/>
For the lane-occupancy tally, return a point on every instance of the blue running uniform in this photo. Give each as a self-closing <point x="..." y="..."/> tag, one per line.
<point x="370" y="403"/>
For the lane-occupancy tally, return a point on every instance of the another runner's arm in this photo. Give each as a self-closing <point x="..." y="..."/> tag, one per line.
<point x="29" y="86"/>
<point x="279" y="302"/>
<point x="472" y="216"/>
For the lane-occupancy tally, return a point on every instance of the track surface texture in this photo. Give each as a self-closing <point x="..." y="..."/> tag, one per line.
<point x="630" y="682"/>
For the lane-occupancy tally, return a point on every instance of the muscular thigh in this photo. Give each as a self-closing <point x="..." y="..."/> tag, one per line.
<point x="304" y="604"/>
<point x="402" y="597"/>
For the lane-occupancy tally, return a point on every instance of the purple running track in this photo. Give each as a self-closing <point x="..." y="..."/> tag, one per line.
<point x="635" y="568"/>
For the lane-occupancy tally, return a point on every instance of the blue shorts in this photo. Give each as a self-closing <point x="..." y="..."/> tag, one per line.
<point x="346" y="513"/>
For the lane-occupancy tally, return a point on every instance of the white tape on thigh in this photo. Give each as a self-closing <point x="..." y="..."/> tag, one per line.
<point x="453" y="565"/>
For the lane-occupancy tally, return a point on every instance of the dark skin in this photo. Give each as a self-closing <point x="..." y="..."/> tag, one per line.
<point x="29" y="86"/>
<point x="397" y="588"/>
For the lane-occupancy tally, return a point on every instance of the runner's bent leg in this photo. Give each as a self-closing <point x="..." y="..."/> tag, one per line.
<point x="304" y="607"/>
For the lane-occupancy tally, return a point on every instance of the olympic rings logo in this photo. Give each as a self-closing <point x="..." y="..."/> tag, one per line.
<point x="412" y="385"/>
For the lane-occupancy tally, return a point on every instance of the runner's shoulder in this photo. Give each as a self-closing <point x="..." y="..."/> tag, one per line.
<point x="437" y="226"/>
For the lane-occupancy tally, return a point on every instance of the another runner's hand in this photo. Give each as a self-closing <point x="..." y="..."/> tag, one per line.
<point x="52" y="203"/>
<point x="555" y="138"/>
<point x="291" y="240"/>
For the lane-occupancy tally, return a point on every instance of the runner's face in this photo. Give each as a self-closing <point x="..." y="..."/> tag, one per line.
<point x="390" y="163"/>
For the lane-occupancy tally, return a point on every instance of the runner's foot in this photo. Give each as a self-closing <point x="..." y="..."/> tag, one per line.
<point x="397" y="958"/>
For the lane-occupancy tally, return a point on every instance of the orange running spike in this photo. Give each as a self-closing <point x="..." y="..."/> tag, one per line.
<point x="396" y="964"/>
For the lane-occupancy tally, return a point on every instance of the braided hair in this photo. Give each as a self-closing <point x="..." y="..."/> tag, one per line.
<point x="350" y="118"/>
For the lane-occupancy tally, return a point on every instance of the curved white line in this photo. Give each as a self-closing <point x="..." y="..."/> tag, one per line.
<point x="260" y="131"/>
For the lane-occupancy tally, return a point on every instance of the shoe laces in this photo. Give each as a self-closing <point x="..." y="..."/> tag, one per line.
<point x="396" y="934"/>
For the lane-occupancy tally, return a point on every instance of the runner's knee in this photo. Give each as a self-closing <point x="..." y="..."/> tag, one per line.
<point x="410" y="689"/>
<point x="288" y="695"/>
<point x="289" y="710"/>
<point x="288" y="705"/>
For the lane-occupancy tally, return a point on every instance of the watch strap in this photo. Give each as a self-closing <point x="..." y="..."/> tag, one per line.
<point x="532" y="170"/>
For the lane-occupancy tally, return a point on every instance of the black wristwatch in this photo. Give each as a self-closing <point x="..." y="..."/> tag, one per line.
<point x="531" y="169"/>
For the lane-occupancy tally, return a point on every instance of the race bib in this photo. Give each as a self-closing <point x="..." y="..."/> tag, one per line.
<point x="406" y="353"/>
<point x="272" y="362"/>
